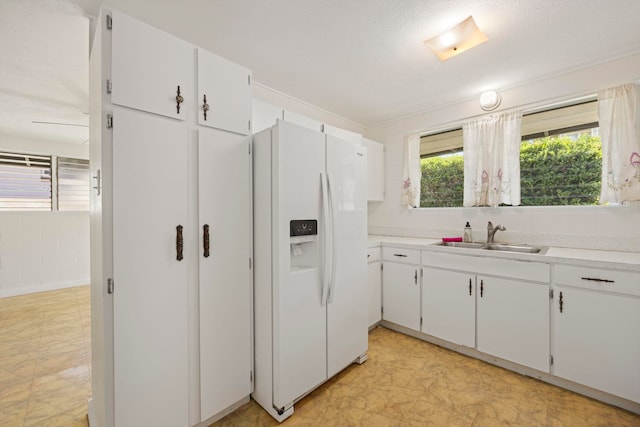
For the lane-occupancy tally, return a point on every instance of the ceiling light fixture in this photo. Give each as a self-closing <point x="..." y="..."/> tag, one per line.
<point x="456" y="40"/>
<point x="489" y="100"/>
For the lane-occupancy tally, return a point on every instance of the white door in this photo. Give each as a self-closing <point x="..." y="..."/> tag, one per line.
<point x="374" y="278"/>
<point x="513" y="321"/>
<point x="148" y="66"/>
<point x="449" y="306"/>
<point x="347" y="315"/>
<point x="596" y="341"/>
<point x="299" y="317"/>
<point x="401" y="294"/>
<point x="224" y="212"/>
<point x="227" y="88"/>
<point x="150" y="298"/>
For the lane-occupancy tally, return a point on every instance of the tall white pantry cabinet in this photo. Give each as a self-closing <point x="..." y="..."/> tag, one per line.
<point x="171" y="245"/>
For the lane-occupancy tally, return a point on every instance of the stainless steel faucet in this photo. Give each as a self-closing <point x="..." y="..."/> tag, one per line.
<point x="491" y="231"/>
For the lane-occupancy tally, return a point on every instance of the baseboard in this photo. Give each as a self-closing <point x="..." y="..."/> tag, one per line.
<point x="5" y="293"/>
<point x="91" y="416"/>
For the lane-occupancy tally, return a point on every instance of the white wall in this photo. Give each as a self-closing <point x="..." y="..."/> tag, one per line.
<point x="611" y="228"/>
<point x="272" y="96"/>
<point x="41" y="251"/>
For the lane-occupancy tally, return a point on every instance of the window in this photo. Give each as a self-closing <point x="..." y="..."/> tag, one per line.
<point x="560" y="160"/>
<point x="73" y="184"/>
<point x="25" y="182"/>
<point x="40" y="183"/>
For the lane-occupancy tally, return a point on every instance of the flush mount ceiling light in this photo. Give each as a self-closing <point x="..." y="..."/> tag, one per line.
<point x="489" y="100"/>
<point x="456" y="40"/>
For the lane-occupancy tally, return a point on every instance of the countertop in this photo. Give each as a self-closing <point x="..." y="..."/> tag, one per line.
<point x="585" y="257"/>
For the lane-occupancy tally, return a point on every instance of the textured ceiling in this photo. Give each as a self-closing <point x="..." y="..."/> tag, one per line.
<point x="361" y="59"/>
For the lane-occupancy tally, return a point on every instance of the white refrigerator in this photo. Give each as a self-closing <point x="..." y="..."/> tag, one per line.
<point x="310" y="237"/>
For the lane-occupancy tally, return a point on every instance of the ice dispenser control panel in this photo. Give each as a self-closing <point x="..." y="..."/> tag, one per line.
<point x="303" y="227"/>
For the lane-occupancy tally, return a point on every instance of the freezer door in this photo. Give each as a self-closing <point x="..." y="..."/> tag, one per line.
<point x="347" y="308"/>
<point x="299" y="318"/>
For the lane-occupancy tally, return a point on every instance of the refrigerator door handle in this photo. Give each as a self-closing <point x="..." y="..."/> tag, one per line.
<point x="332" y="216"/>
<point x="325" y="245"/>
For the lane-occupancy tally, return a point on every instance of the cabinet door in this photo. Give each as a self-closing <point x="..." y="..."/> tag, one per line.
<point x="148" y="66"/>
<point x="596" y="341"/>
<point x="374" y="278"/>
<point x="449" y="306"/>
<point x="401" y="294"/>
<point x="227" y="88"/>
<point x="150" y="331"/>
<point x="375" y="170"/>
<point x="224" y="209"/>
<point x="513" y="321"/>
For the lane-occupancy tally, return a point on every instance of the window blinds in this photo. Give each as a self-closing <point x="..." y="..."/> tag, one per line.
<point x="73" y="184"/>
<point x="25" y="182"/>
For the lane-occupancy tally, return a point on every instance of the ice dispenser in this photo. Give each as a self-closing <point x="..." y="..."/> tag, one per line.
<point x="303" y="235"/>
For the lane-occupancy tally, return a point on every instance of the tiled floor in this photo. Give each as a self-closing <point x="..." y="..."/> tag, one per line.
<point x="408" y="382"/>
<point x="45" y="359"/>
<point x="45" y="381"/>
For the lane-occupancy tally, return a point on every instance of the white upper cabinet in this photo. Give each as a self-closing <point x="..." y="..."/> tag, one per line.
<point x="375" y="170"/>
<point x="149" y="67"/>
<point x="301" y="120"/>
<point x="227" y="89"/>
<point x="264" y="115"/>
<point x="343" y="134"/>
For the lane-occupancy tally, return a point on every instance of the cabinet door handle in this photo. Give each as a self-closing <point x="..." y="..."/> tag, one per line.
<point x="595" y="279"/>
<point x="481" y="288"/>
<point x="179" y="100"/>
<point x="561" y="302"/>
<point x="400" y="255"/>
<point x="415" y="277"/>
<point x="179" y="243"/>
<point x="205" y="107"/>
<point x="205" y="240"/>
<point x="469" y="286"/>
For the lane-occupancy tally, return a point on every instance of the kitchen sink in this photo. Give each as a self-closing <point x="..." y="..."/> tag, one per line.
<point x="494" y="247"/>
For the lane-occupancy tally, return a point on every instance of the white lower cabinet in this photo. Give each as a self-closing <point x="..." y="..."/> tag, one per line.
<point x="401" y="287"/>
<point x="374" y="284"/>
<point x="596" y="334"/>
<point x="513" y="321"/>
<point x="449" y="306"/>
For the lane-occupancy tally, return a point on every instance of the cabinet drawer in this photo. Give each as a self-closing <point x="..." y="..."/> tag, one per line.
<point x="409" y="256"/>
<point x="623" y="282"/>
<point x="373" y="254"/>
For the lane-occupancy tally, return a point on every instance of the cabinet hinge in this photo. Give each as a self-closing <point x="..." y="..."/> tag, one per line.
<point x="421" y="323"/>
<point x="109" y="22"/>
<point x="550" y="360"/>
<point x="381" y="266"/>
<point x="250" y="264"/>
<point x="421" y="273"/>
<point x="249" y="79"/>
<point x="251" y="376"/>
<point x="109" y="121"/>
<point x="249" y="125"/>
<point x="550" y="293"/>
<point x="108" y="86"/>
<point x="249" y="148"/>
<point x="109" y="285"/>
<point x="382" y="310"/>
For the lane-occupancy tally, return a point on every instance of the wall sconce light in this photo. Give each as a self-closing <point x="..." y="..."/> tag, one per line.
<point x="489" y="100"/>
<point x="456" y="40"/>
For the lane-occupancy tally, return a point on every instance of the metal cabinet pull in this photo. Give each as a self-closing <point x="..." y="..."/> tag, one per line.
<point x="400" y="255"/>
<point x="205" y="107"/>
<point x="179" y="243"/>
<point x="469" y="286"/>
<point x="481" y="288"/>
<point x="415" y="277"/>
<point x="205" y="240"/>
<point x="561" y="302"/>
<point x="179" y="100"/>
<point x="595" y="279"/>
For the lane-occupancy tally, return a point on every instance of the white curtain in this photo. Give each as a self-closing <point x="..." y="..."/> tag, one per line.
<point x="411" y="172"/>
<point x="492" y="160"/>
<point x="620" y="133"/>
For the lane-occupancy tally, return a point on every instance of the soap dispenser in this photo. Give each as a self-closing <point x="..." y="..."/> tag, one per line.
<point x="466" y="237"/>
